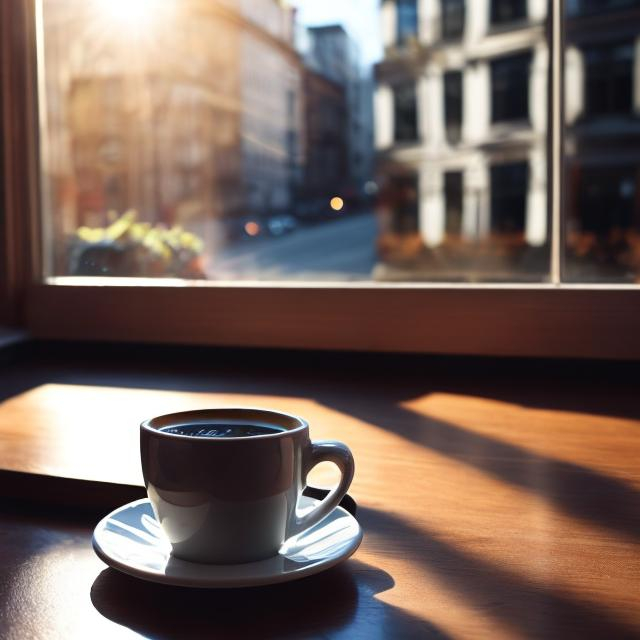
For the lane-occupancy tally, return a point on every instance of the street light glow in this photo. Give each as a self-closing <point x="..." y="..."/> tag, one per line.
<point x="252" y="228"/>
<point x="336" y="203"/>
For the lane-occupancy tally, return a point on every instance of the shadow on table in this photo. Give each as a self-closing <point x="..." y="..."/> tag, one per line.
<point x="340" y="602"/>
<point x="525" y="603"/>
<point x="577" y="490"/>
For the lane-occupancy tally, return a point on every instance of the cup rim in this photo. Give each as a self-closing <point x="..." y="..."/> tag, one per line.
<point x="203" y="414"/>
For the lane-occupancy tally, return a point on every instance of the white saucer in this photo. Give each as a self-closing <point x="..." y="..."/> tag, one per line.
<point x="130" y="539"/>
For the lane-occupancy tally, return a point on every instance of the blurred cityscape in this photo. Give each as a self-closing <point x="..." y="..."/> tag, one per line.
<point x="226" y="139"/>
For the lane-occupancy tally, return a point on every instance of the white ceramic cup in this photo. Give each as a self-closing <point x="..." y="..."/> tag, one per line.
<point x="234" y="499"/>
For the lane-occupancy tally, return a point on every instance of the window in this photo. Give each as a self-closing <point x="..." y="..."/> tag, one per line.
<point x="509" y="184"/>
<point x="403" y="195"/>
<point x="505" y="11"/>
<point x="587" y="7"/>
<point x="601" y="162"/>
<point x="407" y="20"/>
<point x="453" y="16"/>
<point x="152" y="166"/>
<point x="453" y="202"/>
<point x="453" y="105"/>
<point x="609" y="79"/>
<point x="510" y="88"/>
<point x="405" y="113"/>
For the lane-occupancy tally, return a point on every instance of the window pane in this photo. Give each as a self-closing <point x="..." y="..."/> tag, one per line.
<point x="277" y="140"/>
<point x="453" y="197"/>
<point x="453" y="105"/>
<point x="510" y="87"/>
<point x="602" y="141"/>
<point x="453" y="13"/>
<point x="405" y="113"/>
<point x="407" y="20"/>
<point x="505" y="11"/>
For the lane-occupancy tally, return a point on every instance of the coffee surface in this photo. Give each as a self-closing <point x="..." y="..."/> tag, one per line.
<point x="202" y="430"/>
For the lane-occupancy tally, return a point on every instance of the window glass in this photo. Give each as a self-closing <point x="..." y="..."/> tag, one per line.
<point x="453" y="202"/>
<point x="510" y="87"/>
<point x="453" y="105"/>
<point x="504" y="11"/>
<point x="453" y="15"/>
<point x="405" y="113"/>
<point x="293" y="140"/>
<point x="509" y="186"/>
<point x="602" y="142"/>
<point x="407" y="20"/>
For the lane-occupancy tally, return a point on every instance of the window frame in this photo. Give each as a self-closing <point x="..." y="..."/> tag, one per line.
<point x="20" y="249"/>
<point x="549" y="320"/>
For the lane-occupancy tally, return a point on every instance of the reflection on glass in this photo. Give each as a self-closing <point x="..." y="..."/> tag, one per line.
<point x="463" y="194"/>
<point x="264" y="139"/>
<point x="602" y="141"/>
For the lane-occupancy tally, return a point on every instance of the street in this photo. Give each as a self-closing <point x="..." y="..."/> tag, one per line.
<point x="342" y="249"/>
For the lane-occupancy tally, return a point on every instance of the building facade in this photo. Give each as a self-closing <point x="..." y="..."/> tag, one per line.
<point x="602" y="139"/>
<point x="195" y="116"/>
<point x="461" y="119"/>
<point x="461" y="128"/>
<point x="331" y="53"/>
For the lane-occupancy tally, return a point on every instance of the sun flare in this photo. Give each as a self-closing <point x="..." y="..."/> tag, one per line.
<point x="130" y="14"/>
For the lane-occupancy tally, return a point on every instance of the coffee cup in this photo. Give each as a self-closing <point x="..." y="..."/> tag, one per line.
<point x="225" y="484"/>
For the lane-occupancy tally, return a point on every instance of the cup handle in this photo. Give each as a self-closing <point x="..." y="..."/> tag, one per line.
<point x="340" y="455"/>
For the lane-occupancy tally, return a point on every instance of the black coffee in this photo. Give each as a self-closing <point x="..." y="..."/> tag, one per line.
<point x="203" y="430"/>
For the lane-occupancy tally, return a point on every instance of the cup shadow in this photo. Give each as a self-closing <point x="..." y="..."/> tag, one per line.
<point x="337" y="603"/>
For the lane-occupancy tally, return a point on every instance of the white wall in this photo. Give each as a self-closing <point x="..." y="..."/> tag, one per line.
<point x="574" y="84"/>
<point x="477" y="20"/>
<point x="388" y="18"/>
<point x="423" y="95"/>
<point x="432" y="110"/>
<point x="383" y="120"/>
<point x="538" y="88"/>
<point x="428" y="21"/>
<point x="476" y="103"/>
<point x="536" y="10"/>
<point x="431" y="206"/>
<point x="536" y="216"/>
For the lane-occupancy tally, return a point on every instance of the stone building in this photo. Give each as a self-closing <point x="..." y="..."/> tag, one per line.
<point x="461" y="119"/>
<point x="192" y="115"/>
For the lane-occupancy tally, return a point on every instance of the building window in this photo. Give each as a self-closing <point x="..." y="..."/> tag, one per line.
<point x="453" y="14"/>
<point x="407" y="20"/>
<point x="509" y="184"/>
<point x="510" y="88"/>
<point x="453" y="202"/>
<point x="505" y="11"/>
<point x="609" y="79"/>
<point x="607" y="199"/>
<point x="586" y="7"/>
<point x="405" y="113"/>
<point x="404" y="199"/>
<point x="453" y="105"/>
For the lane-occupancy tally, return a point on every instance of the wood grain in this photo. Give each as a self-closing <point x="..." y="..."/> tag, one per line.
<point x="489" y="511"/>
<point x="489" y="320"/>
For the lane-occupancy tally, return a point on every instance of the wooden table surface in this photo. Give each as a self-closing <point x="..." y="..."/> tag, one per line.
<point x="498" y="501"/>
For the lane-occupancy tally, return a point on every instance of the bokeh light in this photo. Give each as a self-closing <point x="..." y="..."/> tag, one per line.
<point x="252" y="228"/>
<point x="336" y="203"/>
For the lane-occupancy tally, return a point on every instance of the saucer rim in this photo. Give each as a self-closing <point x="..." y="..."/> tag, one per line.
<point x="232" y="582"/>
